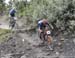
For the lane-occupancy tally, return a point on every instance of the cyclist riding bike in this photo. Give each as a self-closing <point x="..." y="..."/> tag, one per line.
<point x="42" y="24"/>
<point x="12" y="17"/>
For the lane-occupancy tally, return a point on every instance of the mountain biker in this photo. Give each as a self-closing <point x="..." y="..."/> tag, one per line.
<point x="12" y="17"/>
<point x="12" y="12"/>
<point x="41" y="28"/>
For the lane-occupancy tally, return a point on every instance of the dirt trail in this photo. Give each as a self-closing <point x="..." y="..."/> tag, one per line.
<point x="26" y="45"/>
<point x="4" y="26"/>
<point x="26" y="48"/>
<point x="4" y="22"/>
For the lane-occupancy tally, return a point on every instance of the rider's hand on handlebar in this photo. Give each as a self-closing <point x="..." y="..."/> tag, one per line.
<point x="40" y="30"/>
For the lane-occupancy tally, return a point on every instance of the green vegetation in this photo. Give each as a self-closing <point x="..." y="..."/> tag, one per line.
<point x="4" y="34"/>
<point x="60" y="13"/>
<point x="2" y="6"/>
<point x="55" y="10"/>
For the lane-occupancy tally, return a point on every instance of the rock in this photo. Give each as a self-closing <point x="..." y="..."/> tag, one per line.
<point x="74" y="41"/>
<point x="23" y="56"/>
<point x="6" y="56"/>
<point x="59" y="44"/>
<point x="23" y="40"/>
<point x="57" y="53"/>
<point x="62" y="39"/>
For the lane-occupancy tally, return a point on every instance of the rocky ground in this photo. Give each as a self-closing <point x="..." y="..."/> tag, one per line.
<point x="22" y="44"/>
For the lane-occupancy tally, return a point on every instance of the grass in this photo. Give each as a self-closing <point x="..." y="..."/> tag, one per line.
<point x="4" y="33"/>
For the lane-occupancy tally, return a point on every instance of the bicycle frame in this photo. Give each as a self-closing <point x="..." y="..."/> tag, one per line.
<point x="12" y="22"/>
<point x="48" y="35"/>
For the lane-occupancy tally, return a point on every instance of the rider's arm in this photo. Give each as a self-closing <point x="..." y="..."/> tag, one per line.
<point x="39" y="28"/>
<point x="49" y="25"/>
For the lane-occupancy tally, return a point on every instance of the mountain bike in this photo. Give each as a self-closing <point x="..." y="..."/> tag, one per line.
<point x="46" y="37"/>
<point x="12" y="22"/>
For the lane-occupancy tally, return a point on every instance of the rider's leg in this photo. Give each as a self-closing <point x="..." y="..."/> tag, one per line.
<point x="13" y="25"/>
<point x="49" y="40"/>
<point x="41" y="35"/>
<point x="12" y="22"/>
<point x="50" y="45"/>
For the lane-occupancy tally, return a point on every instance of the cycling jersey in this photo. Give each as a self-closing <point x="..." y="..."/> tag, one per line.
<point x="12" y="12"/>
<point x="41" y="25"/>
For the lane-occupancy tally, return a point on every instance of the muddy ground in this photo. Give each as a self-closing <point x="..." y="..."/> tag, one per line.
<point x="26" y="44"/>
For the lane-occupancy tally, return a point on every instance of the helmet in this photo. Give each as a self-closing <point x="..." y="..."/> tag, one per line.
<point x="45" y="21"/>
